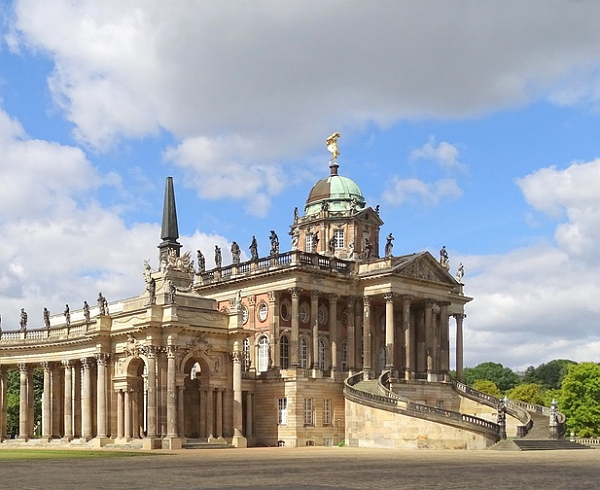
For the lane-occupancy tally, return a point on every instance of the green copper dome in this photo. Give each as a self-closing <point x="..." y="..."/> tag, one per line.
<point x="340" y="194"/>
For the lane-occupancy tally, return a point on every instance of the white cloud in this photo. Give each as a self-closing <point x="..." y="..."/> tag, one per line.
<point x="266" y="71"/>
<point x="541" y="302"/>
<point x="445" y="154"/>
<point x="401" y="191"/>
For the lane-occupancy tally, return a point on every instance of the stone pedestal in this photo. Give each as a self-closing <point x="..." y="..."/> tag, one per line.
<point x="150" y="443"/>
<point x="239" y="441"/>
<point x="101" y="441"/>
<point x="171" y="443"/>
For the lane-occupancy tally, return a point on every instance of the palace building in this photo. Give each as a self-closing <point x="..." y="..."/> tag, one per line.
<point x="333" y="341"/>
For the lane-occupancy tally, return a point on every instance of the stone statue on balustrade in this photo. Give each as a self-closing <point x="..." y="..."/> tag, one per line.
<point x="295" y="240"/>
<point x="201" y="262"/>
<point x="86" y="312"/>
<point x="460" y="273"/>
<point x="331" y="244"/>
<point x="254" y="249"/>
<point x="274" y="243"/>
<point x="315" y="241"/>
<point x="236" y="253"/>
<point x="172" y="292"/>
<point x="152" y="291"/>
<point x="444" y="262"/>
<point x="102" y="305"/>
<point x="46" y="317"/>
<point x="23" y="320"/>
<point x="389" y="245"/>
<point x="218" y="257"/>
<point x="67" y="314"/>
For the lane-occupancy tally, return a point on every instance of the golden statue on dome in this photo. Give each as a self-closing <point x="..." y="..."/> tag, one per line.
<point x="332" y="146"/>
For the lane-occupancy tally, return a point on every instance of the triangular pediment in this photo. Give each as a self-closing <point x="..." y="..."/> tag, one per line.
<point x="423" y="266"/>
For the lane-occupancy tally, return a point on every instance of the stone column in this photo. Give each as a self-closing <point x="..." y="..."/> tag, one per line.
<point x="409" y="338"/>
<point x="68" y="408"/>
<point x="180" y="415"/>
<point x="171" y="394"/>
<point x="333" y="333"/>
<point x="47" y="402"/>
<point x="389" y="331"/>
<point x="249" y="427"/>
<point x="86" y="400"/>
<point x="120" y="417"/>
<point x="274" y="327"/>
<point x="135" y="413"/>
<point x="23" y="402"/>
<point x="3" y="404"/>
<point x="127" y="413"/>
<point x="444" y="350"/>
<point x="294" y="362"/>
<point x="459" y="317"/>
<point x="210" y="419"/>
<point x="101" y="360"/>
<point x="238" y="439"/>
<point x="314" y="322"/>
<point x="351" y="336"/>
<point x="429" y="337"/>
<point x="151" y="404"/>
<point x="219" y="414"/>
<point x="367" y="336"/>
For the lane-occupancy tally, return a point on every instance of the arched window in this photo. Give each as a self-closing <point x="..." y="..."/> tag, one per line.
<point x="263" y="354"/>
<point x="303" y="354"/>
<point x="321" y="355"/>
<point x="246" y="355"/>
<point x="284" y="352"/>
<point x="344" y="353"/>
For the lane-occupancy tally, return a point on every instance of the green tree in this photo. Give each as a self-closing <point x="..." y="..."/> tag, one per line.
<point x="580" y="399"/>
<point x="504" y="377"/>
<point x="528" y="392"/>
<point x="13" y="391"/>
<point x="549" y="375"/>
<point x="488" y="387"/>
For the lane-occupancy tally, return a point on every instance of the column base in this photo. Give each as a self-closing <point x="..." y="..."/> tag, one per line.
<point x="67" y="439"/>
<point x="171" y="443"/>
<point x="316" y="373"/>
<point x="149" y="443"/>
<point x="101" y="441"/>
<point x="239" y="441"/>
<point x="433" y="377"/>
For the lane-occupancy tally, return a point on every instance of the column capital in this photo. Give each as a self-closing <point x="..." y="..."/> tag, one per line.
<point x="23" y="367"/>
<point x="366" y="301"/>
<point x="86" y="362"/>
<point x="46" y="365"/>
<point x="407" y="298"/>
<point x="101" y="358"/>
<point x="333" y="297"/>
<point x="389" y="297"/>
<point x="273" y="296"/>
<point x="314" y="294"/>
<point x="351" y="301"/>
<point x="459" y="316"/>
<point x="67" y="363"/>
<point x="295" y="292"/>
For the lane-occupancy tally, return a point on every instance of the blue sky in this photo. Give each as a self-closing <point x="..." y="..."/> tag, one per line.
<point x="473" y="124"/>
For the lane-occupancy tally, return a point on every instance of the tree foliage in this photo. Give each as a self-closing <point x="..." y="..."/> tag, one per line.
<point x="488" y="387"/>
<point x="549" y="375"/>
<point x="504" y="378"/>
<point x="13" y="392"/>
<point x="529" y="393"/>
<point x="580" y="399"/>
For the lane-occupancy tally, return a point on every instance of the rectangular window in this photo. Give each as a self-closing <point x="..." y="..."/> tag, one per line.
<point x="282" y="411"/>
<point x="327" y="416"/>
<point x="308" y="412"/>
<point x="309" y="243"/>
<point x="338" y="235"/>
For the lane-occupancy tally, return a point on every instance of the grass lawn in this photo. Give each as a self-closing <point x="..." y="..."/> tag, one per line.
<point x="26" y="454"/>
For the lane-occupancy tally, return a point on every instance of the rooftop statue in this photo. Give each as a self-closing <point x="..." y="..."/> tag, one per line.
<point x="332" y="146"/>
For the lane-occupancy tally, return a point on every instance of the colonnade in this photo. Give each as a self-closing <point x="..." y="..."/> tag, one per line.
<point x="414" y="341"/>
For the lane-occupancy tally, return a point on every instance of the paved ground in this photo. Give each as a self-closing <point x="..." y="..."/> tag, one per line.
<point x="313" y="469"/>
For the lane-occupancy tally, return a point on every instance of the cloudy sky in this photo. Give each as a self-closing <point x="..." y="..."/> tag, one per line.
<point x="474" y="124"/>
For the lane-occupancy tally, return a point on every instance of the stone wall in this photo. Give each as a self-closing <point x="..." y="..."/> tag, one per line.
<point x="371" y="427"/>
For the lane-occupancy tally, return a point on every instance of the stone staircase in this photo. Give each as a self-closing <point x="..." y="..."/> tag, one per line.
<point x="204" y="444"/>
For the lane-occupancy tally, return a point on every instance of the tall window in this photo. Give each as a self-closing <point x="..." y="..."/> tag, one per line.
<point x="282" y="411"/>
<point x="263" y="354"/>
<point x="303" y="354"/>
<point x="309" y="418"/>
<point x="327" y="415"/>
<point x="344" y="356"/>
<point x="309" y="243"/>
<point x="338" y="235"/>
<point x="321" y="354"/>
<point x="246" y="355"/>
<point x="284" y="352"/>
